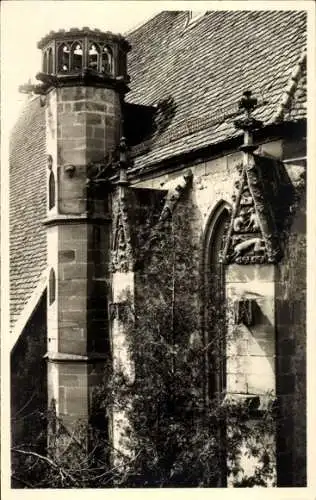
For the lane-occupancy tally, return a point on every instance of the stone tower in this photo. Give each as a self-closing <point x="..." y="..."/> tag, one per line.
<point x="84" y="80"/>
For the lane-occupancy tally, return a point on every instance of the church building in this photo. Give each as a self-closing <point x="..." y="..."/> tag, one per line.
<point x="192" y="127"/>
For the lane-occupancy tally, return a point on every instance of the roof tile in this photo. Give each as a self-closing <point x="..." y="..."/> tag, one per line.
<point x="209" y="66"/>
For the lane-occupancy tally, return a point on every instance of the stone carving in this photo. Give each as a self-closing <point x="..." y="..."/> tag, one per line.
<point x="171" y="200"/>
<point x="256" y="243"/>
<point x="119" y="311"/>
<point x="252" y="235"/>
<point x="173" y="197"/>
<point x="244" y="312"/>
<point x="122" y="254"/>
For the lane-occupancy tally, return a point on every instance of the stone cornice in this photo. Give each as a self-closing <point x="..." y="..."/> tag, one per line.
<point x="61" y="357"/>
<point x="58" y="220"/>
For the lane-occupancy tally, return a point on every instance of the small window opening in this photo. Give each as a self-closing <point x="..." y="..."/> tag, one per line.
<point x="107" y="58"/>
<point x="45" y="62"/>
<point x="63" y="58"/>
<point x="50" y="61"/>
<point x="51" y="191"/>
<point x="94" y="56"/>
<point x="77" y="57"/>
<point x="52" y="287"/>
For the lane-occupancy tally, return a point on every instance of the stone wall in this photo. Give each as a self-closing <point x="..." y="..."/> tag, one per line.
<point x="291" y="352"/>
<point x="283" y="308"/>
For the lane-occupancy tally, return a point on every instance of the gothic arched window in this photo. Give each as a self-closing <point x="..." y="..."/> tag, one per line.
<point x="52" y="287"/>
<point x="94" y="56"/>
<point x="76" y="57"/>
<point x="63" y="58"/>
<point x="45" y="62"/>
<point x="107" y="60"/>
<point x="50" y="61"/>
<point x="215" y="320"/>
<point x="51" y="191"/>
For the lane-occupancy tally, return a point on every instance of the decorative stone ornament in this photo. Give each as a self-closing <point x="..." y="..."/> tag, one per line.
<point x="244" y="312"/>
<point x="119" y="311"/>
<point x="122" y="253"/>
<point x="252" y="236"/>
<point x="49" y="162"/>
<point x="82" y="57"/>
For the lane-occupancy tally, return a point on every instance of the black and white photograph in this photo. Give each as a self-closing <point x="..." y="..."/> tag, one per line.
<point x="154" y="206"/>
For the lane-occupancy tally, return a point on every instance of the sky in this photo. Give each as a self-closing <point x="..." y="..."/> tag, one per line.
<point x="24" y="23"/>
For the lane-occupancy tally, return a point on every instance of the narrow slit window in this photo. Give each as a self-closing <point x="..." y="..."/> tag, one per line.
<point x="52" y="287"/>
<point x="50" y="61"/>
<point x="63" y="58"/>
<point x="94" y="56"/>
<point x="107" y="61"/>
<point x="45" y="62"/>
<point x="51" y="191"/>
<point x="77" y="57"/>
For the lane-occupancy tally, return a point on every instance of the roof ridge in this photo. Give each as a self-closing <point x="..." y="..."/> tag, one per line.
<point x="143" y="23"/>
<point x="291" y="87"/>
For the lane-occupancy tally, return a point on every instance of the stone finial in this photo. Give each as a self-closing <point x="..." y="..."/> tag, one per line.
<point x="247" y="104"/>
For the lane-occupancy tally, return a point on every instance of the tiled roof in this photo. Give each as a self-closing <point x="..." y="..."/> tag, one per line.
<point x="206" y="67"/>
<point x="27" y="205"/>
<point x="201" y="72"/>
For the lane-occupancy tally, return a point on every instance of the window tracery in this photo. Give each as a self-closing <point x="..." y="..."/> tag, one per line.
<point x="52" y="287"/>
<point x="76" y="57"/>
<point x="51" y="191"/>
<point x="63" y="58"/>
<point x="94" y="56"/>
<point x="107" y="60"/>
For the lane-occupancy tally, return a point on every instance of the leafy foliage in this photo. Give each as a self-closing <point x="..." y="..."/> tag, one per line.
<point x="169" y="436"/>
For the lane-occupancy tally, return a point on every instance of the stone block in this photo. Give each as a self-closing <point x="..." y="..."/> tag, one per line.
<point x="236" y="347"/>
<point x="73" y="271"/>
<point x="66" y="256"/>
<point x="72" y="93"/>
<point x="236" y="383"/>
<point x="99" y="132"/>
<point x="72" y="316"/>
<point x="76" y="302"/>
<point x="237" y="364"/>
<point x="94" y="119"/>
<point x="260" y="383"/>
<point x="76" y="401"/>
<point x="72" y="287"/>
<point x="72" y="233"/>
<point x="73" y="131"/>
<point x="257" y="346"/>
<point x="96" y="144"/>
<point x="72" y="346"/>
<point x="242" y="274"/>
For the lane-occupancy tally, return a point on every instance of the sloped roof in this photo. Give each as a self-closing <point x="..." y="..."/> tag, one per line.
<point x="206" y="67"/>
<point x="201" y="72"/>
<point x="27" y="205"/>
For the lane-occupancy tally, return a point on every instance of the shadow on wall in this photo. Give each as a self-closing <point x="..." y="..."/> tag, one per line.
<point x="29" y="390"/>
